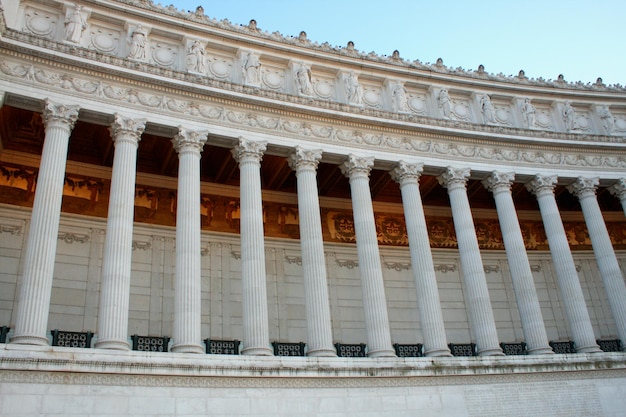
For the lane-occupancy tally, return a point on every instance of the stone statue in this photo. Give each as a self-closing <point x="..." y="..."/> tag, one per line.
<point x="251" y="69"/>
<point x="489" y="115"/>
<point x="195" y="58"/>
<point x="608" y="122"/>
<point x="75" y="24"/>
<point x="303" y="80"/>
<point x="528" y="111"/>
<point x="399" y="99"/>
<point x="569" y="116"/>
<point x="354" y="90"/>
<point x="444" y="103"/>
<point x="138" y="44"/>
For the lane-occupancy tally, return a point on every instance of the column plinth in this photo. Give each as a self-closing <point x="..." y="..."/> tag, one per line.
<point x="319" y="330"/>
<point x="521" y="275"/>
<point x="374" y="302"/>
<point x="567" y="277"/>
<point x="407" y="175"/>
<point x="41" y="246"/>
<point x="254" y="287"/>
<point x="187" y="309"/>
<point x="480" y="312"/>
<point x="612" y="278"/>
<point x="116" y="261"/>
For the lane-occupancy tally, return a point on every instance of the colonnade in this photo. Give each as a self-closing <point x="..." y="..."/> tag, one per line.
<point x="34" y="299"/>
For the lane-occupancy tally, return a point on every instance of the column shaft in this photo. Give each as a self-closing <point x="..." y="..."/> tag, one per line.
<point x="522" y="277"/>
<point x="116" y="261"/>
<point x="253" y="276"/>
<point x="585" y="190"/>
<point x="319" y="329"/>
<point x="187" y="287"/>
<point x="374" y="302"/>
<point x="479" y="304"/>
<point x="433" y="329"/>
<point x="569" y="285"/>
<point x="36" y="290"/>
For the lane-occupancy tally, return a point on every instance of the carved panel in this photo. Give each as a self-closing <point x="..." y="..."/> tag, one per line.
<point x="164" y="54"/>
<point x="104" y="40"/>
<point x="40" y="22"/>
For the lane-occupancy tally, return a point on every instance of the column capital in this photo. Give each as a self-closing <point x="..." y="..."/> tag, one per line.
<point x="355" y="166"/>
<point x="584" y="187"/>
<point x="59" y="113"/>
<point x="499" y="182"/>
<point x="249" y="149"/>
<point x="304" y="158"/>
<point x="454" y="178"/>
<point x="127" y="129"/>
<point x="542" y="184"/>
<point x="189" y="140"/>
<point x="405" y="172"/>
<point x="619" y="189"/>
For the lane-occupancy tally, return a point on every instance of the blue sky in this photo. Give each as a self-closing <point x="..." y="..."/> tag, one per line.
<point x="582" y="40"/>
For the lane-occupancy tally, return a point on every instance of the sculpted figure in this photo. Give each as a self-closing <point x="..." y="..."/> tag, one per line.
<point x="75" y="24"/>
<point x="608" y="122"/>
<point x="569" y="116"/>
<point x="354" y="90"/>
<point x="195" y="58"/>
<point x="528" y="111"/>
<point x="138" y="44"/>
<point x="399" y="100"/>
<point x="444" y="103"/>
<point x="487" y="109"/>
<point x="303" y="80"/>
<point x="251" y="69"/>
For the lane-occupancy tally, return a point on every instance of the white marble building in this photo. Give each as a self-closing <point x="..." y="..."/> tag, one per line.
<point x="426" y="241"/>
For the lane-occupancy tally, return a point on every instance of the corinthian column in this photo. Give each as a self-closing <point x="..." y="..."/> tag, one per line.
<point x="569" y="285"/>
<point x="254" y="287"/>
<point x="407" y="175"/>
<point x="499" y="184"/>
<point x="319" y="330"/>
<point x="479" y="304"/>
<point x="187" y="301"/>
<point x="619" y="190"/>
<point x="374" y="302"/>
<point x="116" y="261"/>
<point x="41" y="246"/>
<point x="585" y="190"/>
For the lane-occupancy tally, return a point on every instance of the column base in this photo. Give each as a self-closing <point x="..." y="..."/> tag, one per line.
<point x="112" y="344"/>
<point x="490" y="352"/>
<point x="542" y="350"/>
<point x="382" y="353"/>
<point x="589" y="349"/>
<point x="188" y="348"/>
<point x="438" y="353"/>
<point x="257" y="351"/>
<point x="29" y="339"/>
<point x="319" y="353"/>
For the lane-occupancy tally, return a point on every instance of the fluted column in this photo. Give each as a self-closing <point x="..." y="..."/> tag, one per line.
<point x="619" y="190"/>
<point x="116" y="261"/>
<point x="499" y="183"/>
<point x="319" y="329"/>
<point x="187" y="282"/>
<point x="433" y="330"/>
<point x="374" y="302"/>
<point x="569" y="285"/>
<point x="585" y="190"/>
<point x="254" y="287"/>
<point x="479" y="303"/>
<point x="34" y="301"/>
